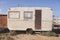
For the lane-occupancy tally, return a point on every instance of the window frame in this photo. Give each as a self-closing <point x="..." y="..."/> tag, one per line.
<point x="26" y="17"/>
<point x="13" y="11"/>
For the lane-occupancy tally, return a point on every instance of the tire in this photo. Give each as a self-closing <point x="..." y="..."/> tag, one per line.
<point x="29" y="31"/>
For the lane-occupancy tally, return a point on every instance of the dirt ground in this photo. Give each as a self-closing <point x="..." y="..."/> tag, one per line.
<point x="27" y="37"/>
<point x="35" y="37"/>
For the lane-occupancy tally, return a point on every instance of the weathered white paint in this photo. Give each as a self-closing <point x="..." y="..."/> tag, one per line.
<point x="47" y="19"/>
<point x="56" y="21"/>
<point x="21" y="24"/>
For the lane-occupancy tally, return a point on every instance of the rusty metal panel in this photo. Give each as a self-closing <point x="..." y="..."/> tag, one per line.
<point x="37" y="19"/>
<point x="4" y="20"/>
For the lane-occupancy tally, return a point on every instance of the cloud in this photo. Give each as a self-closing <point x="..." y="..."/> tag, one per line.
<point x="0" y="11"/>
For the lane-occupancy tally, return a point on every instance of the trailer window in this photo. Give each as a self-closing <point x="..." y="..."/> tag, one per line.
<point x="14" y="14"/>
<point x="28" y="15"/>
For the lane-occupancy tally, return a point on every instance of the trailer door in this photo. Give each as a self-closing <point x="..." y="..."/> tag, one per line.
<point x="38" y="19"/>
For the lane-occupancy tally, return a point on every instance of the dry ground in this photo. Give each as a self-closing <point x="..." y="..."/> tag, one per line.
<point x="34" y="37"/>
<point x="27" y="37"/>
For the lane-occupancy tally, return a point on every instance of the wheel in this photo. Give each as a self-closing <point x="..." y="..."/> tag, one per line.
<point x="29" y="31"/>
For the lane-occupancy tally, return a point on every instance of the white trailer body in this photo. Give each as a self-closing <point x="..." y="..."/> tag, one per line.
<point x="36" y="18"/>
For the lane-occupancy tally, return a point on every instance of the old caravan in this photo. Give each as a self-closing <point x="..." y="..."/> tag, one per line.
<point x="30" y="18"/>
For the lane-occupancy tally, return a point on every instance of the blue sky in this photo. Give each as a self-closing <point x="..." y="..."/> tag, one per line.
<point x="54" y="4"/>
